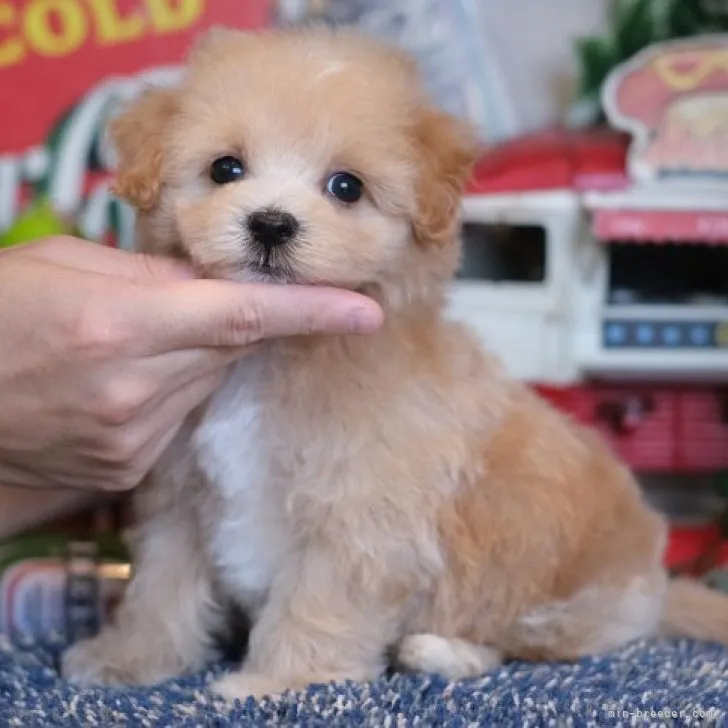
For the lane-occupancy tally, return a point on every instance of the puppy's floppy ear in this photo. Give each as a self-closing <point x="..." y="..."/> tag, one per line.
<point x="138" y="134"/>
<point x="447" y="149"/>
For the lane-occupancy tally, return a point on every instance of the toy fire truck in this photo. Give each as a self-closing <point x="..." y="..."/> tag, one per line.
<point x="596" y="264"/>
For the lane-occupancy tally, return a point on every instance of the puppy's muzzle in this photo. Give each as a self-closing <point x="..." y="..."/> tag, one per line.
<point x="271" y="228"/>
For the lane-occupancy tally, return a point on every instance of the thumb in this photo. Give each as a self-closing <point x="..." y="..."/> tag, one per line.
<point x="200" y="313"/>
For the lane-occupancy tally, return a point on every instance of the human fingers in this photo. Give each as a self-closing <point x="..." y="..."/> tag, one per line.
<point x="203" y="313"/>
<point x="133" y="449"/>
<point x="93" y="257"/>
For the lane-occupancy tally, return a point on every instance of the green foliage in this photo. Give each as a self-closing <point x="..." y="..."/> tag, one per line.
<point x="596" y="57"/>
<point x="634" y="27"/>
<point x="39" y="220"/>
<point x="636" y="24"/>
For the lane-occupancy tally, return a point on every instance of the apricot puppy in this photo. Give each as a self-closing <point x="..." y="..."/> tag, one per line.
<point x="354" y="495"/>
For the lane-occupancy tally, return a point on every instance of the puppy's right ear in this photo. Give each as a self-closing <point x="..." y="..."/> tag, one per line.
<point x="138" y="134"/>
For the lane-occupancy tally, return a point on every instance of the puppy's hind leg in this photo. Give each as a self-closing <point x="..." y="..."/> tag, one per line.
<point x="453" y="658"/>
<point x="597" y="619"/>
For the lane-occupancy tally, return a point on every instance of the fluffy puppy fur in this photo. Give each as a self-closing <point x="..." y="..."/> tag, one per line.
<point x="358" y="495"/>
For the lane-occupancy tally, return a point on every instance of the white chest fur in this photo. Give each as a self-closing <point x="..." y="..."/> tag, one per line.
<point x="250" y="538"/>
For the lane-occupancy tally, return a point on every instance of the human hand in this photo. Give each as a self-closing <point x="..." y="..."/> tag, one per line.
<point x="104" y="353"/>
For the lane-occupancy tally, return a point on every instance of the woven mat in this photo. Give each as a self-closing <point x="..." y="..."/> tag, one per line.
<point x="647" y="683"/>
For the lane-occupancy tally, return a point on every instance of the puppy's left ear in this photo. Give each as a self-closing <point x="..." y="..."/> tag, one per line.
<point x="139" y="134"/>
<point x="447" y="149"/>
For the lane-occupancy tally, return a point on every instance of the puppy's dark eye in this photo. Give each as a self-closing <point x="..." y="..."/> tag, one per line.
<point x="345" y="186"/>
<point x="226" y="169"/>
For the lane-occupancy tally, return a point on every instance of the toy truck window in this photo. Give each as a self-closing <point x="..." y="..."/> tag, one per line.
<point x="654" y="273"/>
<point x="503" y="253"/>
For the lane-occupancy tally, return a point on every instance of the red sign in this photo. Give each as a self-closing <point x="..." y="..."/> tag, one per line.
<point x="673" y="99"/>
<point x="661" y="226"/>
<point x="52" y="51"/>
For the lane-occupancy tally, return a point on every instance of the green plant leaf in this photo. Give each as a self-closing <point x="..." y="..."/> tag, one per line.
<point x="597" y="57"/>
<point x="635" y="27"/>
<point x="694" y="17"/>
<point x="39" y="220"/>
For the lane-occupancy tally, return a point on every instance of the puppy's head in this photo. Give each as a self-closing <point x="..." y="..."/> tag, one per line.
<point x="302" y="156"/>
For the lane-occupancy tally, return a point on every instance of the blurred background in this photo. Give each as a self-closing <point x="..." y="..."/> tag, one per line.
<point x="593" y="226"/>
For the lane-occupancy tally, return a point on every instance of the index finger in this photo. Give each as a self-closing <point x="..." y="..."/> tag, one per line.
<point x="201" y="313"/>
<point x="84" y="255"/>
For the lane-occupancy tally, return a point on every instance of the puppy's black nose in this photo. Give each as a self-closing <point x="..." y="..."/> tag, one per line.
<point x="272" y="227"/>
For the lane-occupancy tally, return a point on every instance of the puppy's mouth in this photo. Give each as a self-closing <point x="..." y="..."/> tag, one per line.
<point x="266" y="272"/>
<point x="271" y="264"/>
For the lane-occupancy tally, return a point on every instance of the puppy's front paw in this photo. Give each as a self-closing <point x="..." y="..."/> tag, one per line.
<point x="111" y="660"/>
<point x="241" y="685"/>
<point x="88" y="663"/>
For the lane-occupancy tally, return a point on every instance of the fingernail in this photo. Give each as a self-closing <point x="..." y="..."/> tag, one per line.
<point x="364" y="320"/>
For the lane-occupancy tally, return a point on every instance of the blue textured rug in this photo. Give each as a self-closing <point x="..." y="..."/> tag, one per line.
<point x="633" y="687"/>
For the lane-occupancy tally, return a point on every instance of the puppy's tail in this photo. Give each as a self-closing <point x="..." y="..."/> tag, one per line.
<point x="695" y="610"/>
